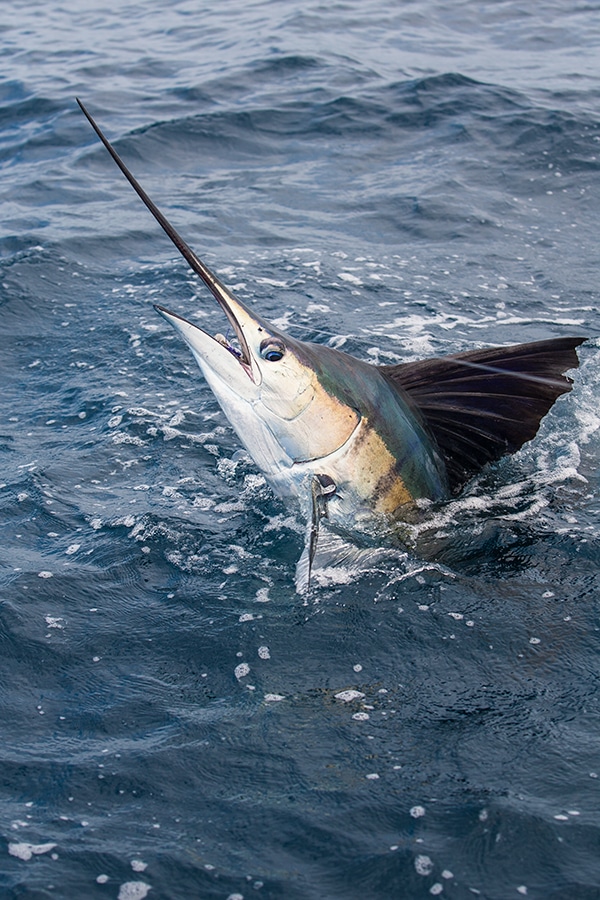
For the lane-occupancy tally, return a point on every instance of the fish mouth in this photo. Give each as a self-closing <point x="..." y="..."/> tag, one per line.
<point x="240" y="352"/>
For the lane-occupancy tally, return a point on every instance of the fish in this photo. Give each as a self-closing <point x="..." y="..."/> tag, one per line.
<point x="362" y="446"/>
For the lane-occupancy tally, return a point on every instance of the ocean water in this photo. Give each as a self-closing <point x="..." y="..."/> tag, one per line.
<point x="398" y="180"/>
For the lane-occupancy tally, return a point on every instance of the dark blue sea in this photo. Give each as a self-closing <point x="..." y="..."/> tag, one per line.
<point x="399" y="180"/>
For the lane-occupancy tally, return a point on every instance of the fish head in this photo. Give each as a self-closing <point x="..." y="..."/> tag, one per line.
<point x="270" y="388"/>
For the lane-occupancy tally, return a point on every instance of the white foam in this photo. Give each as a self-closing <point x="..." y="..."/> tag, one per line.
<point x="271" y="282"/>
<point x="176" y="419"/>
<point x="121" y="438"/>
<point x="26" y="851"/>
<point x="348" y="696"/>
<point x="332" y="575"/>
<point x="133" y="890"/>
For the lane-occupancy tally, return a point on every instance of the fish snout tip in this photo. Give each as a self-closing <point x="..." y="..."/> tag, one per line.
<point x="172" y="318"/>
<point x="165" y="313"/>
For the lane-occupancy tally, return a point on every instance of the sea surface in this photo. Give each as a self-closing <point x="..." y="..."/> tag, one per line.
<point x="399" y="180"/>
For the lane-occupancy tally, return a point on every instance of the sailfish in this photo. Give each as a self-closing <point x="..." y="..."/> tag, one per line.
<point x="363" y="445"/>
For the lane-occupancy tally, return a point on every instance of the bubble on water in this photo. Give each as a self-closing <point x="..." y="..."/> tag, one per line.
<point x="44" y="574"/>
<point x="423" y="865"/>
<point x="372" y="776"/>
<point x="138" y="866"/>
<point x="246" y="617"/>
<point x="264" y="653"/>
<point x="72" y="548"/>
<point x="241" y="671"/>
<point x="360" y="716"/>
<point x="102" y="879"/>
<point x="436" y="889"/>
<point x="274" y="698"/>
<point x="417" y="812"/>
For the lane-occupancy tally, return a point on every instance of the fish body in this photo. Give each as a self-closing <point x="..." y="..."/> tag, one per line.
<point x="357" y="443"/>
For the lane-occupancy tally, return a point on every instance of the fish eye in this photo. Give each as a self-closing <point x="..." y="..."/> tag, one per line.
<point x="272" y="350"/>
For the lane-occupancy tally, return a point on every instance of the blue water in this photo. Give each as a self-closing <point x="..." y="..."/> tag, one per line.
<point x="399" y="180"/>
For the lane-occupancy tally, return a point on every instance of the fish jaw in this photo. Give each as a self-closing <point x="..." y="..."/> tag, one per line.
<point x="216" y="358"/>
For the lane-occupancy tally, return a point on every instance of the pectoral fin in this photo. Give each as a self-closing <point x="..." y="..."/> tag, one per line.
<point x="483" y="404"/>
<point x="322" y="488"/>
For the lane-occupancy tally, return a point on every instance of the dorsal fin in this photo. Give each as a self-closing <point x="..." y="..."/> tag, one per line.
<point x="483" y="404"/>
